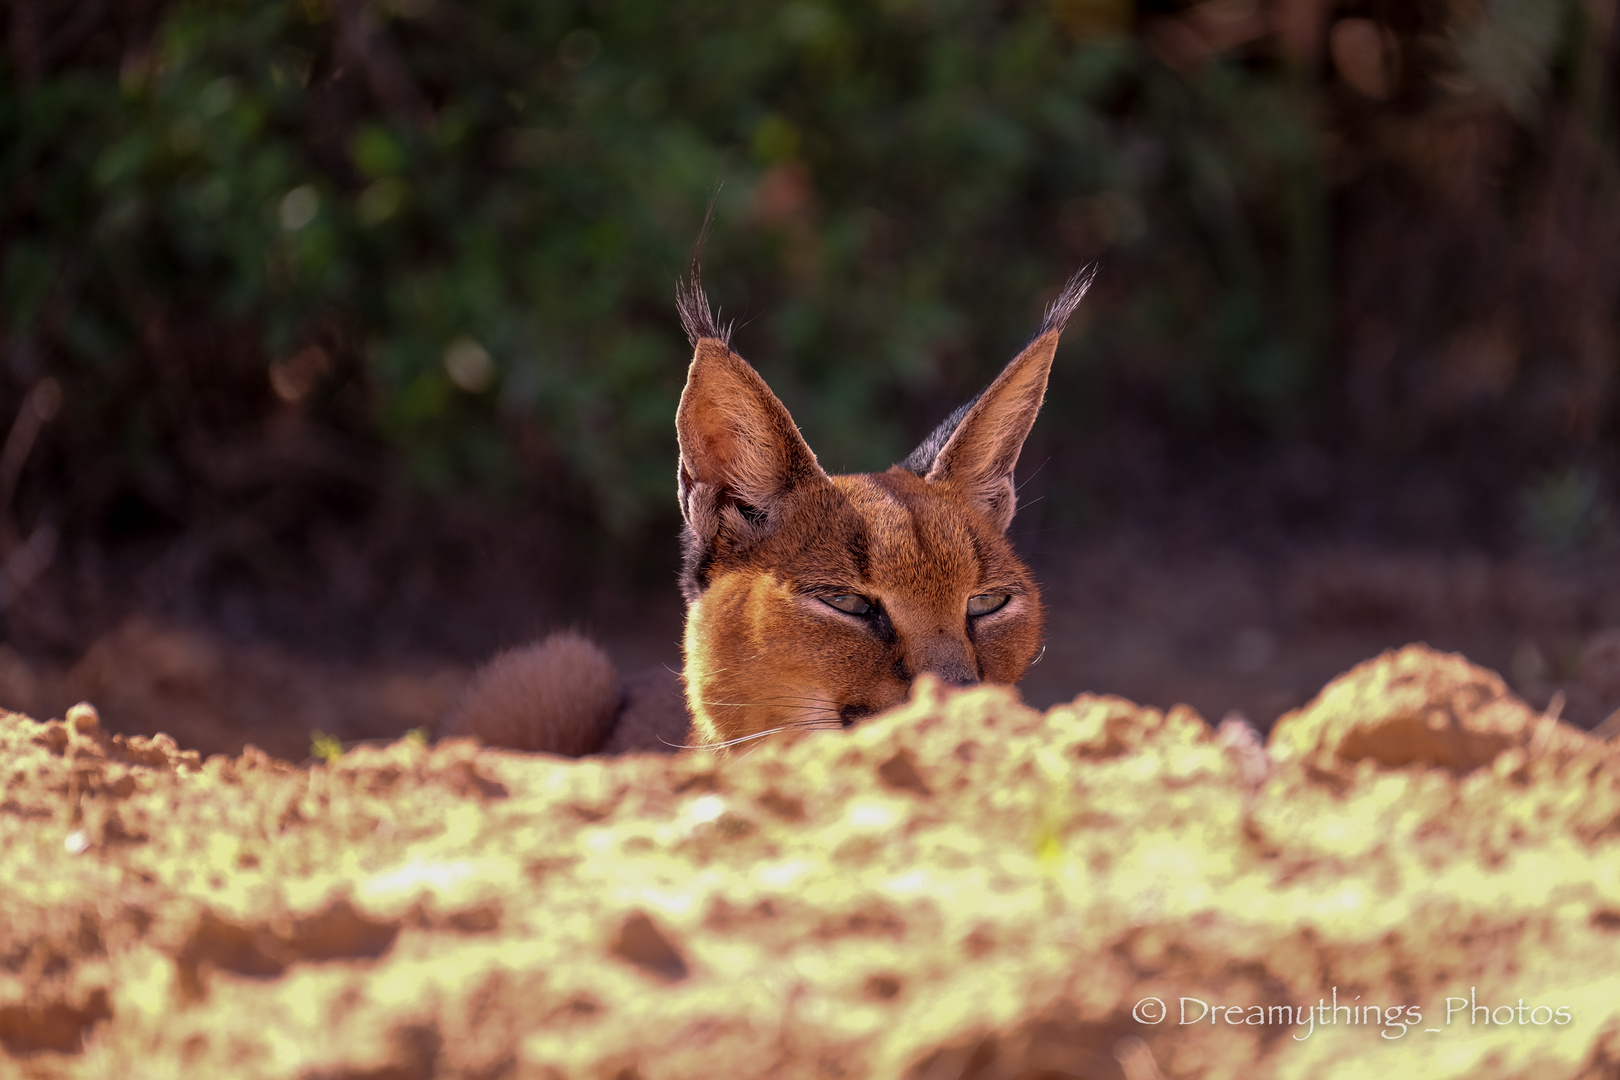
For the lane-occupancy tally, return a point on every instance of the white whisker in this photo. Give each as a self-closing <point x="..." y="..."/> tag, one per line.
<point x="797" y="725"/>
<point x="780" y="703"/>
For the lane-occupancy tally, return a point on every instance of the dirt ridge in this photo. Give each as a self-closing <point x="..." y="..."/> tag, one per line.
<point x="964" y="887"/>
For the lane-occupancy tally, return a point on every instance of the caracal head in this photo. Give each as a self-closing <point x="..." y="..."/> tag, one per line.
<point x="816" y="600"/>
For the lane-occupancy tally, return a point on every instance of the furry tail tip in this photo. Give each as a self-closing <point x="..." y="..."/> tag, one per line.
<point x="557" y="696"/>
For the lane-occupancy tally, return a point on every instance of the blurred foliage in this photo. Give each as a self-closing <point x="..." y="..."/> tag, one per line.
<point x="456" y="228"/>
<point x="324" y="747"/>
<point x="1566" y="511"/>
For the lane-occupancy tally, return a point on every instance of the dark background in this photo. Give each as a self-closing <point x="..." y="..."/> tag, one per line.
<point x="346" y="329"/>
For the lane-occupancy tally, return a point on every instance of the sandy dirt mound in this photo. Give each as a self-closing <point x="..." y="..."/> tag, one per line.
<point x="1421" y="879"/>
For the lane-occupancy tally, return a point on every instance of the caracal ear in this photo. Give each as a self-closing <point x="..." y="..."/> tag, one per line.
<point x="975" y="449"/>
<point x="740" y="453"/>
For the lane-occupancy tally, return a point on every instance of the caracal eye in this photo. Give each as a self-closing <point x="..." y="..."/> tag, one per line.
<point x="848" y="602"/>
<point x="985" y="603"/>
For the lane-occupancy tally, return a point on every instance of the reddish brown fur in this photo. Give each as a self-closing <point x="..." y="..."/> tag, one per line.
<point x="559" y="695"/>
<point x="770" y="540"/>
<point x="763" y="652"/>
<point x="771" y="537"/>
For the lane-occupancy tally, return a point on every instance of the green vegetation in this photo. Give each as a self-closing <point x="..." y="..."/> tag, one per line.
<point x="324" y="747"/>
<point x="457" y="227"/>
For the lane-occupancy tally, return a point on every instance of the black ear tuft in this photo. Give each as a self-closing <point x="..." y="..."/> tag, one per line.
<point x="1060" y="310"/>
<point x="1058" y="313"/>
<point x="696" y="317"/>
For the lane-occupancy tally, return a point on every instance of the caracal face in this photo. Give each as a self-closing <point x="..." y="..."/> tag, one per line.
<point x="816" y="600"/>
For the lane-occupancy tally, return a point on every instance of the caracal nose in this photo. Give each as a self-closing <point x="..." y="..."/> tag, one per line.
<point x="947" y="660"/>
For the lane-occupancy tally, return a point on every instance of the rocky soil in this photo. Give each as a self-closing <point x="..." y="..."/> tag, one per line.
<point x="1418" y="875"/>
